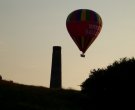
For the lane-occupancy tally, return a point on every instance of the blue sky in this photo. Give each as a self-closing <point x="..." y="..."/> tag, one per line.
<point x="30" y="28"/>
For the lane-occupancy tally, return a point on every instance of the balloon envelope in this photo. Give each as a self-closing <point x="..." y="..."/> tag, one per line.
<point x="83" y="26"/>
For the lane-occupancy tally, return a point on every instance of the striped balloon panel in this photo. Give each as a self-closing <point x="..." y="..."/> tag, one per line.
<point x="85" y="15"/>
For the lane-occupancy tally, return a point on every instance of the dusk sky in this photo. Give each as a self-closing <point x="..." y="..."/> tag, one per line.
<point x="30" y="28"/>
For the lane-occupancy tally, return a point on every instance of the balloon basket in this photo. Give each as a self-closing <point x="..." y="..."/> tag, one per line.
<point x="82" y="55"/>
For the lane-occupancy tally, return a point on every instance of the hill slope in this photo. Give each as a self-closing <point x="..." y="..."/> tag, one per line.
<point x="23" y="97"/>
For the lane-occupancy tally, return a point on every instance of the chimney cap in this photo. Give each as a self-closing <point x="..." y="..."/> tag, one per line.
<point x="57" y="47"/>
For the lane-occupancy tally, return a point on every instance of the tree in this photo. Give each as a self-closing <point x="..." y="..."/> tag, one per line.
<point x="0" y="77"/>
<point x="113" y="85"/>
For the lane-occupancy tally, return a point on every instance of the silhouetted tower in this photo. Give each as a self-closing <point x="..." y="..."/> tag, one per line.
<point x="55" y="81"/>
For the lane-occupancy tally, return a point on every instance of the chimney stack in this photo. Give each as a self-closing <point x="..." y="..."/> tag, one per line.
<point x="55" y="80"/>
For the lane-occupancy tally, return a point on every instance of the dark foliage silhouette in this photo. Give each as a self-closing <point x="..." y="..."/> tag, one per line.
<point x="112" y="87"/>
<point x="109" y="88"/>
<point x="0" y="77"/>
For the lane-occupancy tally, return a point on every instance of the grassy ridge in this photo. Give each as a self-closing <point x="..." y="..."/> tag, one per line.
<point x="23" y="97"/>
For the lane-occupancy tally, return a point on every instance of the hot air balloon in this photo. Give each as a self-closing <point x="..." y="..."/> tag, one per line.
<point x="83" y="25"/>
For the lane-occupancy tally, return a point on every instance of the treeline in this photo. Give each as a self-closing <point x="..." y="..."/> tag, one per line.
<point x="112" y="87"/>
